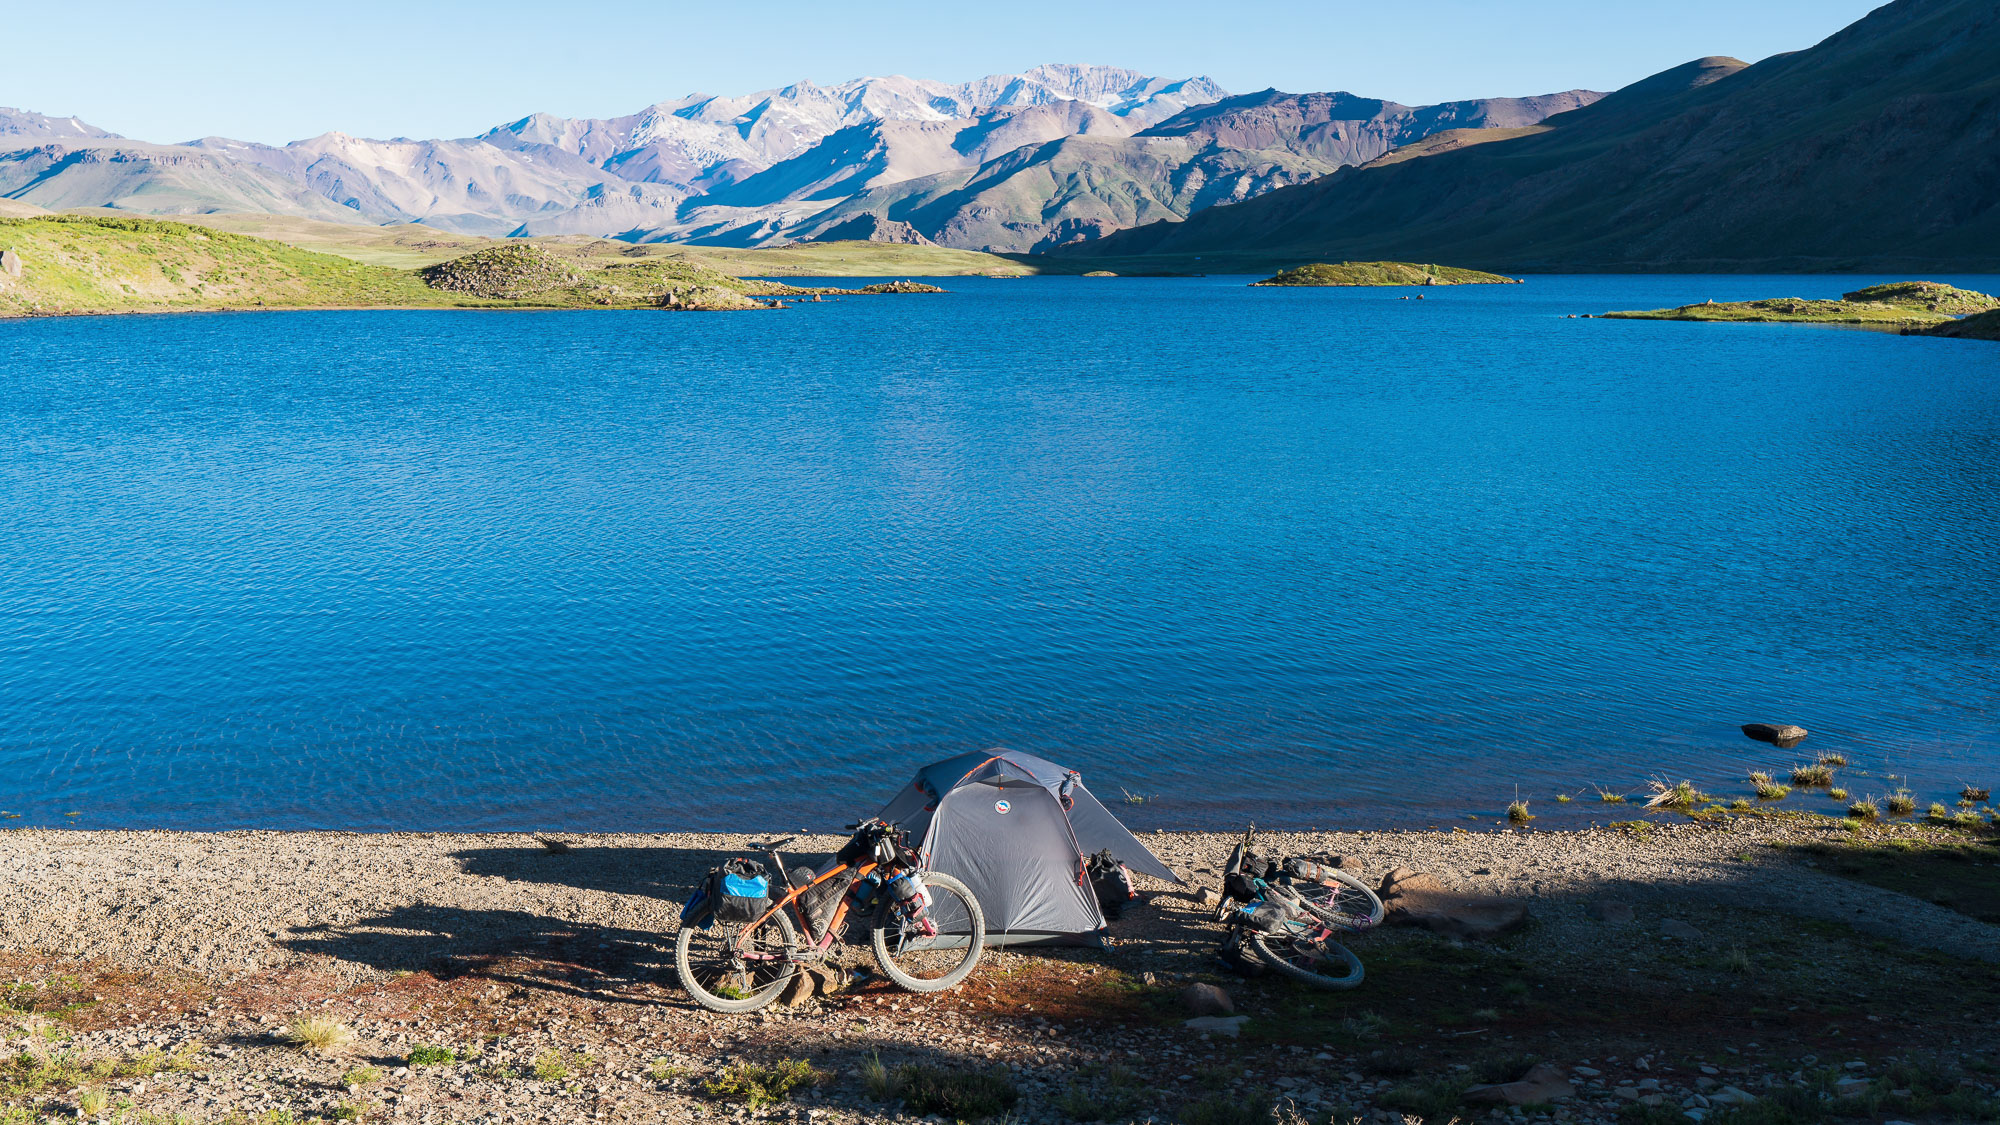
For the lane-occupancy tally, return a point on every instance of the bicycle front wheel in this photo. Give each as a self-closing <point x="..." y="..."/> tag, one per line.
<point x="1343" y="902"/>
<point x="931" y="962"/>
<point x="725" y="973"/>
<point x="1307" y="952"/>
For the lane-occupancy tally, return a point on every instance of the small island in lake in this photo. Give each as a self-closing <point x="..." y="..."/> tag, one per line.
<point x="1918" y="307"/>
<point x="1382" y="274"/>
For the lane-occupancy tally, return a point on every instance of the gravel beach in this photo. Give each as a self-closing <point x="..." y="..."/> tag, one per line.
<point x="548" y="974"/>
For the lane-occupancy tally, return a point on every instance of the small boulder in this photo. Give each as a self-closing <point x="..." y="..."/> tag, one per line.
<point x="10" y="263"/>
<point x="1543" y="1083"/>
<point x="1675" y="928"/>
<point x="1612" y="912"/>
<point x="1783" y="737"/>
<point x="1217" y="1025"/>
<point x="1730" y="1095"/>
<point x="1207" y="1000"/>
<point x="1206" y="896"/>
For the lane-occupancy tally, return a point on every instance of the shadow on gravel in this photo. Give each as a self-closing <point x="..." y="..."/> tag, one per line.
<point x="664" y="873"/>
<point x="505" y="946"/>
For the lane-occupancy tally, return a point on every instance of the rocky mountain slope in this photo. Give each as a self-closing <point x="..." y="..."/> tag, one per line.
<point x="1081" y="187"/>
<point x="1878" y="149"/>
<point x="1007" y="162"/>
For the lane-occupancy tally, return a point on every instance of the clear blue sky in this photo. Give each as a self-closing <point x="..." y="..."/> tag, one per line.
<point x="277" y="72"/>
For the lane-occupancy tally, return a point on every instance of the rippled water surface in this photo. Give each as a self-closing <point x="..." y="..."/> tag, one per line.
<point x="1317" y="557"/>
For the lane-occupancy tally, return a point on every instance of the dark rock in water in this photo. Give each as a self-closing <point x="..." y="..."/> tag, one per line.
<point x="1544" y="1083"/>
<point x="1783" y="737"/>
<point x="1417" y="899"/>
<point x="1207" y="1000"/>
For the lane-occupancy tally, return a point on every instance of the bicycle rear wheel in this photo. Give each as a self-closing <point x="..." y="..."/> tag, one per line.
<point x="1306" y="951"/>
<point x="1343" y="902"/>
<point x="921" y="962"/>
<point x="713" y="967"/>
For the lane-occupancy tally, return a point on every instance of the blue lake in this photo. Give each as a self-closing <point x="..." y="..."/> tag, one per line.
<point x="1307" y="557"/>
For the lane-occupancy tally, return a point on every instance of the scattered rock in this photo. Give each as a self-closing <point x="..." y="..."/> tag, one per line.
<point x="1217" y="1025"/>
<point x="554" y="845"/>
<point x="1207" y="1000"/>
<point x="10" y="263"/>
<point x="1675" y="928"/>
<point x="1543" y="1083"/>
<point x="1587" y="1071"/>
<point x="1417" y="899"/>
<point x="1783" y="737"/>
<point x="1851" y="1087"/>
<point x="1206" y="896"/>
<point x="1730" y="1095"/>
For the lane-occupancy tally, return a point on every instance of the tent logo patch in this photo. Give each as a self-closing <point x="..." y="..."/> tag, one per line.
<point x="1001" y="807"/>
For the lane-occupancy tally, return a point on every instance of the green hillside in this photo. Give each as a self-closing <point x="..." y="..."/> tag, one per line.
<point x="75" y="264"/>
<point x="1382" y="274"/>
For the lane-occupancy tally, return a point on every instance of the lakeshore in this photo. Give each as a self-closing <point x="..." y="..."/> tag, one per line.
<point x="1664" y="962"/>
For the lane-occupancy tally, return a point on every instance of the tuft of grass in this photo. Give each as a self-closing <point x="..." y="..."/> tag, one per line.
<point x="92" y="1102"/>
<point x="757" y="1085"/>
<point x="425" y="1054"/>
<point x="1517" y="813"/>
<point x="1864" y="809"/>
<point x="1740" y="805"/>
<point x="554" y="1066"/>
<point x="959" y="1095"/>
<point x="361" y="1076"/>
<point x="660" y="1070"/>
<point x="1681" y="797"/>
<point x="1832" y="758"/>
<point x="1837" y="794"/>
<point x="1610" y="798"/>
<point x="1900" y="803"/>
<point x="1736" y="960"/>
<point x="1816" y="776"/>
<point x="1767" y="788"/>
<point x="1974" y="795"/>
<point x="877" y="1079"/>
<point x="318" y="1033"/>
<point x="1563" y="798"/>
<point x="1434" y="1099"/>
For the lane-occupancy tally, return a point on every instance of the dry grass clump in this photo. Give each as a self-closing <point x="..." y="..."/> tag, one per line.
<point x="1837" y="794"/>
<point x="1900" y="803"/>
<point x="1610" y="798"/>
<point x="317" y="1033"/>
<point x="1681" y="797"/>
<point x="1832" y="759"/>
<point x="1819" y="775"/>
<point x="1974" y="795"/>
<point x="1864" y="809"/>
<point x="1767" y="789"/>
<point x="1517" y="813"/>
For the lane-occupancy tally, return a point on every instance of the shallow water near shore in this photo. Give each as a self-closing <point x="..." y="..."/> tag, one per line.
<point x="1308" y="557"/>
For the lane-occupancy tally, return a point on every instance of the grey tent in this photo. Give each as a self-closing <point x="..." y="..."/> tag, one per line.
<point x="1017" y="830"/>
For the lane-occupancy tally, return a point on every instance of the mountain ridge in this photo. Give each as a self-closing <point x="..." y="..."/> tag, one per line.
<point x="1876" y="149"/>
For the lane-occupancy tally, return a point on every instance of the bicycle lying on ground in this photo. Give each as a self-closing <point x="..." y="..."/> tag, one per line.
<point x="1289" y="911"/>
<point x="742" y="941"/>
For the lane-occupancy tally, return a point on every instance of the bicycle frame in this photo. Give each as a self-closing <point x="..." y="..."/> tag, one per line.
<point x="823" y="941"/>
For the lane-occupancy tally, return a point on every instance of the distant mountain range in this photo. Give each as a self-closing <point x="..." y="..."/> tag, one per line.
<point x="1013" y="162"/>
<point x="1877" y="150"/>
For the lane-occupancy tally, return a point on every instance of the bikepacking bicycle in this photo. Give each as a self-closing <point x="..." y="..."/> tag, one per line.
<point x="1288" y="913"/>
<point x="743" y="939"/>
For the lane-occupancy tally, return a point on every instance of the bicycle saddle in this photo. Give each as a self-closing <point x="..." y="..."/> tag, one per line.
<point x="773" y="845"/>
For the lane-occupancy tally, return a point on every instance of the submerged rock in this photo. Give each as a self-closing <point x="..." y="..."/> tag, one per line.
<point x="1783" y="737"/>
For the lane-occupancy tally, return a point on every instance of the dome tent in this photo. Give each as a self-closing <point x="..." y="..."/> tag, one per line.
<point x="1017" y="830"/>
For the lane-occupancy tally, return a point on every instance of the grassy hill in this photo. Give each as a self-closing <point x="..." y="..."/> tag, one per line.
<point x="1382" y="274"/>
<point x="95" y="264"/>
<point x="1903" y="305"/>
<point x="1877" y="150"/>
<point x="87" y="264"/>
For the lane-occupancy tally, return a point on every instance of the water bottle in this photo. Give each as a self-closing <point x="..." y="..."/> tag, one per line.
<point x="911" y="895"/>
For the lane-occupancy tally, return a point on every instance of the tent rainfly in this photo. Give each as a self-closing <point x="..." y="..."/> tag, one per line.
<point x="1018" y="831"/>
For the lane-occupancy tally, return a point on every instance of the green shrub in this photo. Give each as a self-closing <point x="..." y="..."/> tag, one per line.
<point x="424" y="1054"/>
<point x="961" y="1095"/>
<point x="757" y="1086"/>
